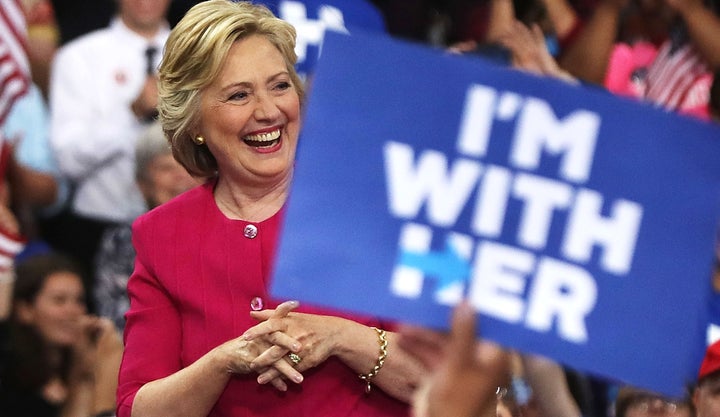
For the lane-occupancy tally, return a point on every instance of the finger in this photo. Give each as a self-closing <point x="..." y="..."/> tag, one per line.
<point x="105" y="325"/>
<point x="284" y="341"/>
<point x="264" y="329"/>
<point x="268" y="374"/>
<point x="280" y="339"/>
<point x="272" y="376"/>
<point x="537" y="33"/>
<point x="280" y="311"/>
<point x="462" y="336"/>
<point x="279" y="384"/>
<point x="279" y="369"/>
<point x="284" y="308"/>
<point x="262" y="315"/>
<point x="267" y="358"/>
<point x="463" y="47"/>
<point x="105" y="330"/>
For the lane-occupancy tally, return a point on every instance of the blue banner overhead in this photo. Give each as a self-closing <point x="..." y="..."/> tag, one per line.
<point x="578" y="224"/>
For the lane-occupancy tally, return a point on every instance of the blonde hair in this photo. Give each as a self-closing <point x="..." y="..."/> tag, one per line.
<point x="194" y="55"/>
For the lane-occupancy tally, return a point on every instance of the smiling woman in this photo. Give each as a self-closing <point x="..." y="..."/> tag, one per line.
<point x="260" y="105"/>
<point x="56" y="359"/>
<point x="197" y="340"/>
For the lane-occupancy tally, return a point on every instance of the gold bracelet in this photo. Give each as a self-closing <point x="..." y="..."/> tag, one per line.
<point x="382" y="339"/>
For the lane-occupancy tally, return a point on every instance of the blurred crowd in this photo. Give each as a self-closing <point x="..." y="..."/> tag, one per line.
<point x="84" y="157"/>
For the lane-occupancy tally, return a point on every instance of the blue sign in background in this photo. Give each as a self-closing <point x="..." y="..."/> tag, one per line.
<point x="340" y="244"/>
<point x="307" y="18"/>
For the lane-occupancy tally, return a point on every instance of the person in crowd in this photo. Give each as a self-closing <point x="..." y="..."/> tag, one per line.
<point x="706" y="393"/>
<point x="666" y="54"/>
<point x="56" y="360"/>
<point x="160" y="178"/>
<point x="42" y="41"/>
<point x="103" y="92"/>
<point x="203" y="336"/>
<point x="32" y="186"/>
<point x="636" y="402"/>
<point x="509" y="41"/>
<point x="33" y="175"/>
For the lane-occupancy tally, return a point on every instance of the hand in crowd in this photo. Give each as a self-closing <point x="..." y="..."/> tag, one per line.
<point x="529" y="51"/>
<point x="462" y="372"/>
<point x="97" y="354"/>
<point x="98" y="340"/>
<point x="145" y="105"/>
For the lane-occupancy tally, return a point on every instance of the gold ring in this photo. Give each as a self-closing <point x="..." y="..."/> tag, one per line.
<point x="295" y="359"/>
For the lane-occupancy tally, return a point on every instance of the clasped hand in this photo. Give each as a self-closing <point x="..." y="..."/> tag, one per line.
<point x="264" y="348"/>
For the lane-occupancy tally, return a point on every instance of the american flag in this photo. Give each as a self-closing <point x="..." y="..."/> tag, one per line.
<point x="14" y="65"/>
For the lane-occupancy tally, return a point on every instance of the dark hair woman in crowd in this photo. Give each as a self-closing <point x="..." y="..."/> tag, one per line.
<point x="55" y="359"/>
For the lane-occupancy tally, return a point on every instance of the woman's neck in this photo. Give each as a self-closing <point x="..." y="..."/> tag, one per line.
<point x="253" y="203"/>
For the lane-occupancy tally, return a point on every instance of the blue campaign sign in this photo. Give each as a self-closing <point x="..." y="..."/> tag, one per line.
<point x="578" y="224"/>
<point x="312" y="18"/>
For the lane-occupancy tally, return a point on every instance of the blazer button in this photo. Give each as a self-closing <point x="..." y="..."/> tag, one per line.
<point x="250" y="231"/>
<point x="256" y="304"/>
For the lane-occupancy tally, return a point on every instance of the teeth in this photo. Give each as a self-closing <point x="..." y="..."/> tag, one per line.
<point x="264" y="137"/>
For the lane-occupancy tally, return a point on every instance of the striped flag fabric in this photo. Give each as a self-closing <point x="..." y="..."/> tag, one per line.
<point x="14" y="65"/>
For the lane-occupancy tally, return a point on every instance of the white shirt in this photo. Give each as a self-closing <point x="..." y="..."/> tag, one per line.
<point x="93" y="131"/>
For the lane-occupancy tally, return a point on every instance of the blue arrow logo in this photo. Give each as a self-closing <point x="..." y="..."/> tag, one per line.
<point x="448" y="267"/>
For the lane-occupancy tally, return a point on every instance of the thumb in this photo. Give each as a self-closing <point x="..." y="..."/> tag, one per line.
<point x="462" y="335"/>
